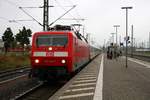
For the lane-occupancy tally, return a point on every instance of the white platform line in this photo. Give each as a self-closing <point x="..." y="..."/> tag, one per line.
<point x="141" y="63"/>
<point x="80" y="89"/>
<point x="80" y="78"/>
<point x="94" y="73"/>
<point x="76" y="95"/>
<point x="88" y="76"/>
<point x="98" y="95"/>
<point x="90" y="71"/>
<point x="82" y="81"/>
<point x="85" y="84"/>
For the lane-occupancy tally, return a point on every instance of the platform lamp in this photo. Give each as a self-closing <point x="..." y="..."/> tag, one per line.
<point x="126" y="32"/>
<point x="116" y="27"/>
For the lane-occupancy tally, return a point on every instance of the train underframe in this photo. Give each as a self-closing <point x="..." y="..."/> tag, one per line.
<point x="49" y="72"/>
<point x="54" y="72"/>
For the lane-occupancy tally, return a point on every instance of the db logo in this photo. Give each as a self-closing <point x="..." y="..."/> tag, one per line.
<point x="49" y="54"/>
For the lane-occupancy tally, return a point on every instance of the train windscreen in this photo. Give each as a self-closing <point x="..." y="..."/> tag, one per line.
<point x="51" y="40"/>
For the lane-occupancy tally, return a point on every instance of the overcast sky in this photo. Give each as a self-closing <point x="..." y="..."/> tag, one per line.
<point x="100" y="16"/>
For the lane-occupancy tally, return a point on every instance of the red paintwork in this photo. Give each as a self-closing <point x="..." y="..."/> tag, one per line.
<point x="78" y="52"/>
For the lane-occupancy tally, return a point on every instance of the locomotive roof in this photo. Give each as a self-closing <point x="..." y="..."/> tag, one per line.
<point x="75" y="34"/>
<point x="60" y="32"/>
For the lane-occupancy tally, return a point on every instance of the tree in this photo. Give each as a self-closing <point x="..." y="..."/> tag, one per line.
<point x="7" y="38"/>
<point x="23" y="36"/>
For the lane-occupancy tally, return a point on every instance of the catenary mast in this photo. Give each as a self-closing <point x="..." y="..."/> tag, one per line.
<point x="46" y="15"/>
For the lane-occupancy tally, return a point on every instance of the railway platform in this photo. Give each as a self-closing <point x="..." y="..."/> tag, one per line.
<point x="105" y="79"/>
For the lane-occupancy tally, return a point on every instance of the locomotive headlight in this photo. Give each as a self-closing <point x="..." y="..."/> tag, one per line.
<point x="50" y="48"/>
<point x="63" y="61"/>
<point x="36" y="61"/>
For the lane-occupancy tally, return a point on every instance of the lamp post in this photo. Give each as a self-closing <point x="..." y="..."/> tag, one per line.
<point x="149" y="40"/>
<point x="116" y="26"/>
<point x="112" y="37"/>
<point x="132" y="41"/>
<point x="126" y="31"/>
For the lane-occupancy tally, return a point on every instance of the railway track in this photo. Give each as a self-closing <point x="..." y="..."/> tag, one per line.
<point x="44" y="91"/>
<point x="141" y="57"/>
<point x="41" y="92"/>
<point x="12" y="70"/>
<point x="10" y="75"/>
<point x="30" y="88"/>
<point x="15" y="83"/>
<point x="24" y="93"/>
<point x="23" y="88"/>
<point x="16" y="88"/>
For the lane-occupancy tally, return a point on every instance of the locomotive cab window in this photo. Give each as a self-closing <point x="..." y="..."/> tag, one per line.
<point x="52" y="40"/>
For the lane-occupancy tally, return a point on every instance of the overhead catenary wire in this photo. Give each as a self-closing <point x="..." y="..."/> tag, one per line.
<point x="70" y="1"/>
<point x="62" y="15"/>
<point x="80" y="18"/>
<point x="23" y="9"/>
<point x="34" y="7"/>
<point x="3" y="18"/>
<point x="12" y="3"/>
<point x="10" y="21"/>
<point x="30" y="16"/>
<point x="66" y="10"/>
<point x="20" y="20"/>
<point x="72" y="19"/>
<point x="48" y="6"/>
<point x="17" y="6"/>
<point x="38" y="7"/>
<point x="75" y="9"/>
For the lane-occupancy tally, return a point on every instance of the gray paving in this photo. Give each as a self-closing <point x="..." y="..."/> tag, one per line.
<point x="120" y="83"/>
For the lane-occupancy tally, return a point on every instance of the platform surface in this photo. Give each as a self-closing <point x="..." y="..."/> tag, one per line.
<point x="121" y="83"/>
<point x="105" y="79"/>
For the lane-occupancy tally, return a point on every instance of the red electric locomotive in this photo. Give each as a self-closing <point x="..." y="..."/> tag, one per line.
<point x="58" y="52"/>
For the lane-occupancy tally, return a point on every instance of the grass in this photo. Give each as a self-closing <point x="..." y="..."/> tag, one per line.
<point x="13" y="60"/>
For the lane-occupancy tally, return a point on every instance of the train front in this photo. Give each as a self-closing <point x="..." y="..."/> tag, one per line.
<point x="50" y="54"/>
